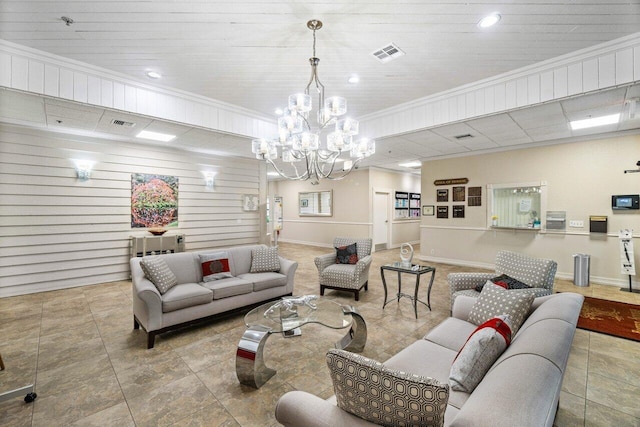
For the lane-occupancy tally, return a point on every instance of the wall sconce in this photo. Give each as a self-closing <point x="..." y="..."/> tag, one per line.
<point x="83" y="169"/>
<point x="208" y="180"/>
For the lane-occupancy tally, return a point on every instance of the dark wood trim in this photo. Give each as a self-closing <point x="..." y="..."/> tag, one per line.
<point x="151" y="336"/>
<point x="337" y="288"/>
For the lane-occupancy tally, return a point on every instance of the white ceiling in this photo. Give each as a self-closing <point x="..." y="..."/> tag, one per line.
<point x="255" y="53"/>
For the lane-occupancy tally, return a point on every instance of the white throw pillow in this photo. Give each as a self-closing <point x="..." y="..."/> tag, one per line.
<point x="482" y="349"/>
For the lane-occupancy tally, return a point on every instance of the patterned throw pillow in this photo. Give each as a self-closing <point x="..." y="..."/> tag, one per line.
<point x="506" y="282"/>
<point x="215" y="266"/>
<point x="264" y="259"/>
<point x="158" y="272"/>
<point x="347" y="254"/>
<point x="369" y="390"/>
<point x="482" y="349"/>
<point x="494" y="301"/>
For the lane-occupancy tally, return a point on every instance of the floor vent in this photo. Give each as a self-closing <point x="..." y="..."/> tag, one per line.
<point x="118" y="122"/>
<point x="388" y="53"/>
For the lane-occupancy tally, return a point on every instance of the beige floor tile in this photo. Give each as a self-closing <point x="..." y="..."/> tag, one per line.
<point x="214" y="415"/>
<point x="52" y="355"/>
<point x="602" y="416"/>
<point x="15" y="412"/>
<point x="65" y="379"/>
<point x="622" y="369"/>
<point x="617" y="395"/>
<point x="115" y="416"/>
<point x="171" y="402"/>
<point x="571" y="411"/>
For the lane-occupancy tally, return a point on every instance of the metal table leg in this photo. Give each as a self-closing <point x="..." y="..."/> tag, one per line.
<point x="356" y="338"/>
<point x="250" y="367"/>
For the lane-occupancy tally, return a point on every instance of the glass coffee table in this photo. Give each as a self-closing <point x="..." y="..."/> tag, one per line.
<point x="288" y="315"/>
<point x="415" y="269"/>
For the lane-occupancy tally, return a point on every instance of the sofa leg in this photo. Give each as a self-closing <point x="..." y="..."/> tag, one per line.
<point x="151" y="338"/>
<point x="321" y="290"/>
<point x="366" y="285"/>
<point x="357" y="295"/>
<point x="136" y="325"/>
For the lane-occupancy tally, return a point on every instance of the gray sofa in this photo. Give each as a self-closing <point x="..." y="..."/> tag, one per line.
<point x="520" y="389"/>
<point x="193" y="300"/>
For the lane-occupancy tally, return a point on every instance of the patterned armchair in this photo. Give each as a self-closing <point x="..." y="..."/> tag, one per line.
<point x="536" y="272"/>
<point x="345" y="277"/>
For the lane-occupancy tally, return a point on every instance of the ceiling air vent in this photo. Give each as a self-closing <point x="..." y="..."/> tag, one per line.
<point x="388" y="53"/>
<point x="118" y="122"/>
<point x="465" y="136"/>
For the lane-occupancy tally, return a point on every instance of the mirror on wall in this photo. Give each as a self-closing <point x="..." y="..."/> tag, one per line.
<point x="315" y="203"/>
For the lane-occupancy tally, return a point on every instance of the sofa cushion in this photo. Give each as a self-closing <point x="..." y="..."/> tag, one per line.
<point x="451" y="333"/>
<point x="230" y="287"/>
<point x="185" y="295"/>
<point x="347" y="254"/>
<point x="482" y="349"/>
<point x="371" y="391"/>
<point x="215" y="266"/>
<point x="494" y="301"/>
<point x="158" y="272"/>
<point x="265" y="280"/>
<point x="264" y="259"/>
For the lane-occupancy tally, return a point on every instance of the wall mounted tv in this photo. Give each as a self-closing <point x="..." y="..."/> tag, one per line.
<point x="629" y="201"/>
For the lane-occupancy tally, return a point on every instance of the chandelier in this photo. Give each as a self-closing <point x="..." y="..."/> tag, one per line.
<point x="311" y="148"/>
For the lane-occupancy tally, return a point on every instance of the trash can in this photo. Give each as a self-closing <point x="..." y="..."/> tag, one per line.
<point x="581" y="269"/>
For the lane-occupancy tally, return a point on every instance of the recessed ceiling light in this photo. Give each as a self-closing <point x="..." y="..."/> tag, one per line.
<point x="279" y="112"/>
<point x="155" y="136"/>
<point x="489" y="20"/>
<point x="410" y="164"/>
<point x="154" y="75"/>
<point x="273" y="173"/>
<point x="595" y="121"/>
<point x="354" y="79"/>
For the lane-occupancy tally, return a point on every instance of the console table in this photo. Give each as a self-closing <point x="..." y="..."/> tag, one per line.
<point x="275" y="316"/>
<point x="415" y="269"/>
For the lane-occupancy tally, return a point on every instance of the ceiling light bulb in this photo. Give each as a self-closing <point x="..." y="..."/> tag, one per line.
<point x="279" y="112"/>
<point x="154" y="75"/>
<point x="489" y="20"/>
<point x="354" y="79"/>
<point x="155" y="136"/>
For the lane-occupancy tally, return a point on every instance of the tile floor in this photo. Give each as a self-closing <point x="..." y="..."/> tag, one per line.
<point x="91" y="368"/>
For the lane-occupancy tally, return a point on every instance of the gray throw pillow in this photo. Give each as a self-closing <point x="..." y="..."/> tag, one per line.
<point x="494" y="301"/>
<point x="369" y="390"/>
<point x="158" y="272"/>
<point x="264" y="259"/>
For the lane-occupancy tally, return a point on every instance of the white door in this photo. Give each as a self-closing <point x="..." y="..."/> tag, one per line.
<point x="381" y="220"/>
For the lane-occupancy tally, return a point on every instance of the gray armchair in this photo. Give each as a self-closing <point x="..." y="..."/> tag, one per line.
<point x="345" y="277"/>
<point x="536" y="272"/>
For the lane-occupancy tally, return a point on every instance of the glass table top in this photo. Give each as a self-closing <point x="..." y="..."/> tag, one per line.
<point x="413" y="268"/>
<point x="280" y="318"/>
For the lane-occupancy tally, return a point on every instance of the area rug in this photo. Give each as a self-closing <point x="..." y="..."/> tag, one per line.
<point x="610" y="317"/>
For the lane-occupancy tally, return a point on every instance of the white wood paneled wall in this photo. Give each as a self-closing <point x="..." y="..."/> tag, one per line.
<point x="31" y="70"/>
<point x="58" y="232"/>
<point x="601" y="67"/>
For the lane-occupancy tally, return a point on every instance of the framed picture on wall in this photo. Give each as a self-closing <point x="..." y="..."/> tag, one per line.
<point x="457" y="211"/>
<point x="443" y="212"/>
<point x="250" y="202"/>
<point x="458" y="194"/>
<point x="442" y="195"/>
<point x="428" y="210"/>
<point x="475" y="196"/>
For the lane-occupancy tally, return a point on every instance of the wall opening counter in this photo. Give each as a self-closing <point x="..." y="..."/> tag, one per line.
<point x="516" y="206"/>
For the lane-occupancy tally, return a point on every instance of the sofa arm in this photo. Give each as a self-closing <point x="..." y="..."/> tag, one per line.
<point x="324" y="261"/>
<point x="302" y="409"/>
<point x="362" y="266"/>
<point x="462" y="306"/>
<point x="147" y="301"/>
<point x="288" y="268"/>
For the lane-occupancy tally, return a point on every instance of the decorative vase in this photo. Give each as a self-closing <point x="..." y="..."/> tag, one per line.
<point x="494" y="222"/>
<point x="157" y="231"/>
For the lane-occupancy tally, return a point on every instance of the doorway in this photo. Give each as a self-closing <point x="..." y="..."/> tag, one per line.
<point x="381" y="225"/>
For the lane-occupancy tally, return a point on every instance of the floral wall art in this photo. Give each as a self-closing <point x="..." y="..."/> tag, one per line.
<point x="154" y="201"/>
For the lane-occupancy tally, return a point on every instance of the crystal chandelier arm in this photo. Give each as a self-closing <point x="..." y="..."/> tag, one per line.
<point x="344" y="173"/>
<point x="296" y="177"/>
